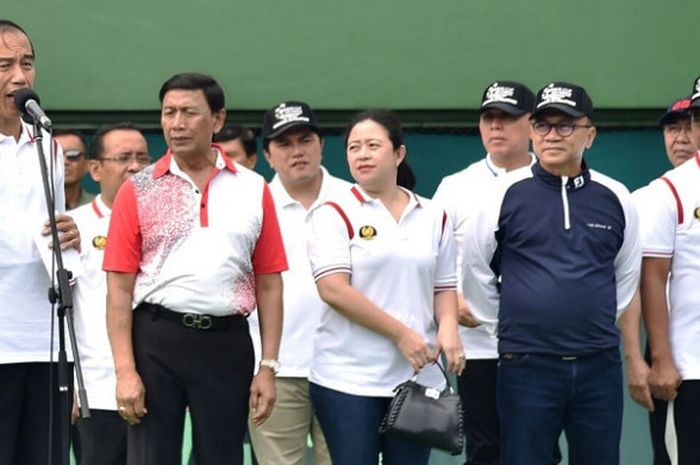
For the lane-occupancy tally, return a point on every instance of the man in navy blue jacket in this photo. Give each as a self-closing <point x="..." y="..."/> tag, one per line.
<point x="551" y="262"/>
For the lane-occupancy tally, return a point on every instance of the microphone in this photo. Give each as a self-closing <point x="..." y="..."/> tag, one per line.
<point x="27" y="101"/>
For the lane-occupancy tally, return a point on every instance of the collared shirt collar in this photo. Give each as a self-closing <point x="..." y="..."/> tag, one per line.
<point x="25" y="135"/>
<point x="283" y="199"/>
<point x="573" y="183"/>
<point x="99" y="207"/>
<point x="497" y="171"/>
<point x="167" y="163"/>
<point x="363" y="197"/>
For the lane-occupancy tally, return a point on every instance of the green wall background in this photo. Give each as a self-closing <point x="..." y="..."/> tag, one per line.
<point x="633" y="157"/>
<point x="100" y="60"/>
<point x="95" y="55"/>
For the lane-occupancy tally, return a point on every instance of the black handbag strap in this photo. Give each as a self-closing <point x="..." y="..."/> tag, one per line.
<point x="448" y="387"/>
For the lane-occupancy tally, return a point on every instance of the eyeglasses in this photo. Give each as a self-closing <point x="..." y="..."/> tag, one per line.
<point x="73" y="155"/>
<point x="565" y="129"/>
<point x="124" y="159"/>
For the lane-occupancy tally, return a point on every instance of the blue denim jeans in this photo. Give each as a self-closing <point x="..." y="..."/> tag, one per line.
<point x="351" y="427"/>
<point x="539" y="396"/>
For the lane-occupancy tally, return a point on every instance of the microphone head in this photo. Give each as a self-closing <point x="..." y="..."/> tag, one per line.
<point x="21" y="98"/>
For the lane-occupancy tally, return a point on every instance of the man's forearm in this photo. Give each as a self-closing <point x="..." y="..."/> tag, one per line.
<point x="269" y="299"/>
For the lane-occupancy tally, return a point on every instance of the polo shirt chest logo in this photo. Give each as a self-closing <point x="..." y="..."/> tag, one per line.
<point x="99" y="242"/>
<point x="368" y="232"/>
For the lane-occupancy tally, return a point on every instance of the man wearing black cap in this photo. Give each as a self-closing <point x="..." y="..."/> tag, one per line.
<point x="676" y="126"/>
<point x="670" y="223"/>
<point x="695" y="113"/>
<point x="293" y="147"/>
<point x="555" y="255"/>
<point x="504" y="125"/>
<point x="678" y="135"/>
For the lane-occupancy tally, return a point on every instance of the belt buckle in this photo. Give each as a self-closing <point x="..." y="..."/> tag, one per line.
<point x="197" y="321"/>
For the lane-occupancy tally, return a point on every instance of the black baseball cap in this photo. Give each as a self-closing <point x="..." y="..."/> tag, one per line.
<point x="569" y="99"/>
<point x="678" y="109"/>
<point x="695" y="94"/>
<point x="285" y="116"/>
<point x="512" y="97"/>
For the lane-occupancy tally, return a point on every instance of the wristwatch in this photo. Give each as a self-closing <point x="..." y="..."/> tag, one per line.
<point x="271" y="363"/>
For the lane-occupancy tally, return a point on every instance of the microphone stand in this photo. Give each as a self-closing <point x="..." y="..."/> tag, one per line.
<point x="63" y="296"/>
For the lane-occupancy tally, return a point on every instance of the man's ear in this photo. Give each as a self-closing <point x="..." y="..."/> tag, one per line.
<point x="94" y="167"/>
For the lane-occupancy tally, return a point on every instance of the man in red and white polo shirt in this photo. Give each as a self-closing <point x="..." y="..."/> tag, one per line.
<point x="195" y="246"/>
<point x="670" y="220"/>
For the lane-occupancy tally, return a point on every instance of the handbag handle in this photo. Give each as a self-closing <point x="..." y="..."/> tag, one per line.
<point x="448" y="387"/>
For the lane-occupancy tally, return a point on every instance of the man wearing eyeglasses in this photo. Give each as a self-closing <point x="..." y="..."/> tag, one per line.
<point x="556" y="254"/>
<point x="117" y="152"/>
<point x="75" y="164"/>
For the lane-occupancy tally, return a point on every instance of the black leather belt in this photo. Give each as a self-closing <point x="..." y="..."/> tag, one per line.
<point x="193" y="320"/>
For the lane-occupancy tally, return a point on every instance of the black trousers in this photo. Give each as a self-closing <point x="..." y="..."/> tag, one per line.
<point x="209" y="371"/>
<point x="25" y="414"/>
<point x="477" y="389"/>
<point x="686" y="412"/>
<point x="100" y="439"/>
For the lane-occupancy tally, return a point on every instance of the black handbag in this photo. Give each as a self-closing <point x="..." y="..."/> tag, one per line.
<point x="426" y="416"/>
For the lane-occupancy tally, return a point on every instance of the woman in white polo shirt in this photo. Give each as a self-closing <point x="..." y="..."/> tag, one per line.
<point x="382" y="258"/>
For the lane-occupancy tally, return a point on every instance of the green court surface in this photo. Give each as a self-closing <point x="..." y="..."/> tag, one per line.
<point x="635" y="448"/>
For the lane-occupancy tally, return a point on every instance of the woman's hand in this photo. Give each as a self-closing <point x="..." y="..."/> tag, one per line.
<point x="448" y="341"/>
<point x="415" y="349"/>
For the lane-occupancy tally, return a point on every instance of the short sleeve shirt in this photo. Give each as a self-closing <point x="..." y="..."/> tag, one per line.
<point x="195" y="251"/>
<point x="399" y="266"/>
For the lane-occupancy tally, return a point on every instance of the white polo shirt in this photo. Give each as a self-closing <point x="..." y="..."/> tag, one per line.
<point x="89" y="299"/>
<point x="302" y="305"/>
<point x="24" y="281"/>
<point x="669" y="211"/>
<point x="195" y="251"/>
<point x="397" y="265"/>
<point x="461" y="194"/>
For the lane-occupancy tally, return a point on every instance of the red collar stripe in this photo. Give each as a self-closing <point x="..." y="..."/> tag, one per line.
<point x="356" y="192"/>
<point x="96" y="208"/>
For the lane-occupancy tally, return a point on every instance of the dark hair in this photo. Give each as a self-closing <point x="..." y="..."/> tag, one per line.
<point x="236" y="131"/>
<point x="71" y="132"/>
<point x="385" y="118"/>
<point x="97" y="147"/>
<point x="194" y="81"/>
<point x="6" y="24"/>
<point x="315" y="130"/>
<point x="405" y="176"/>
